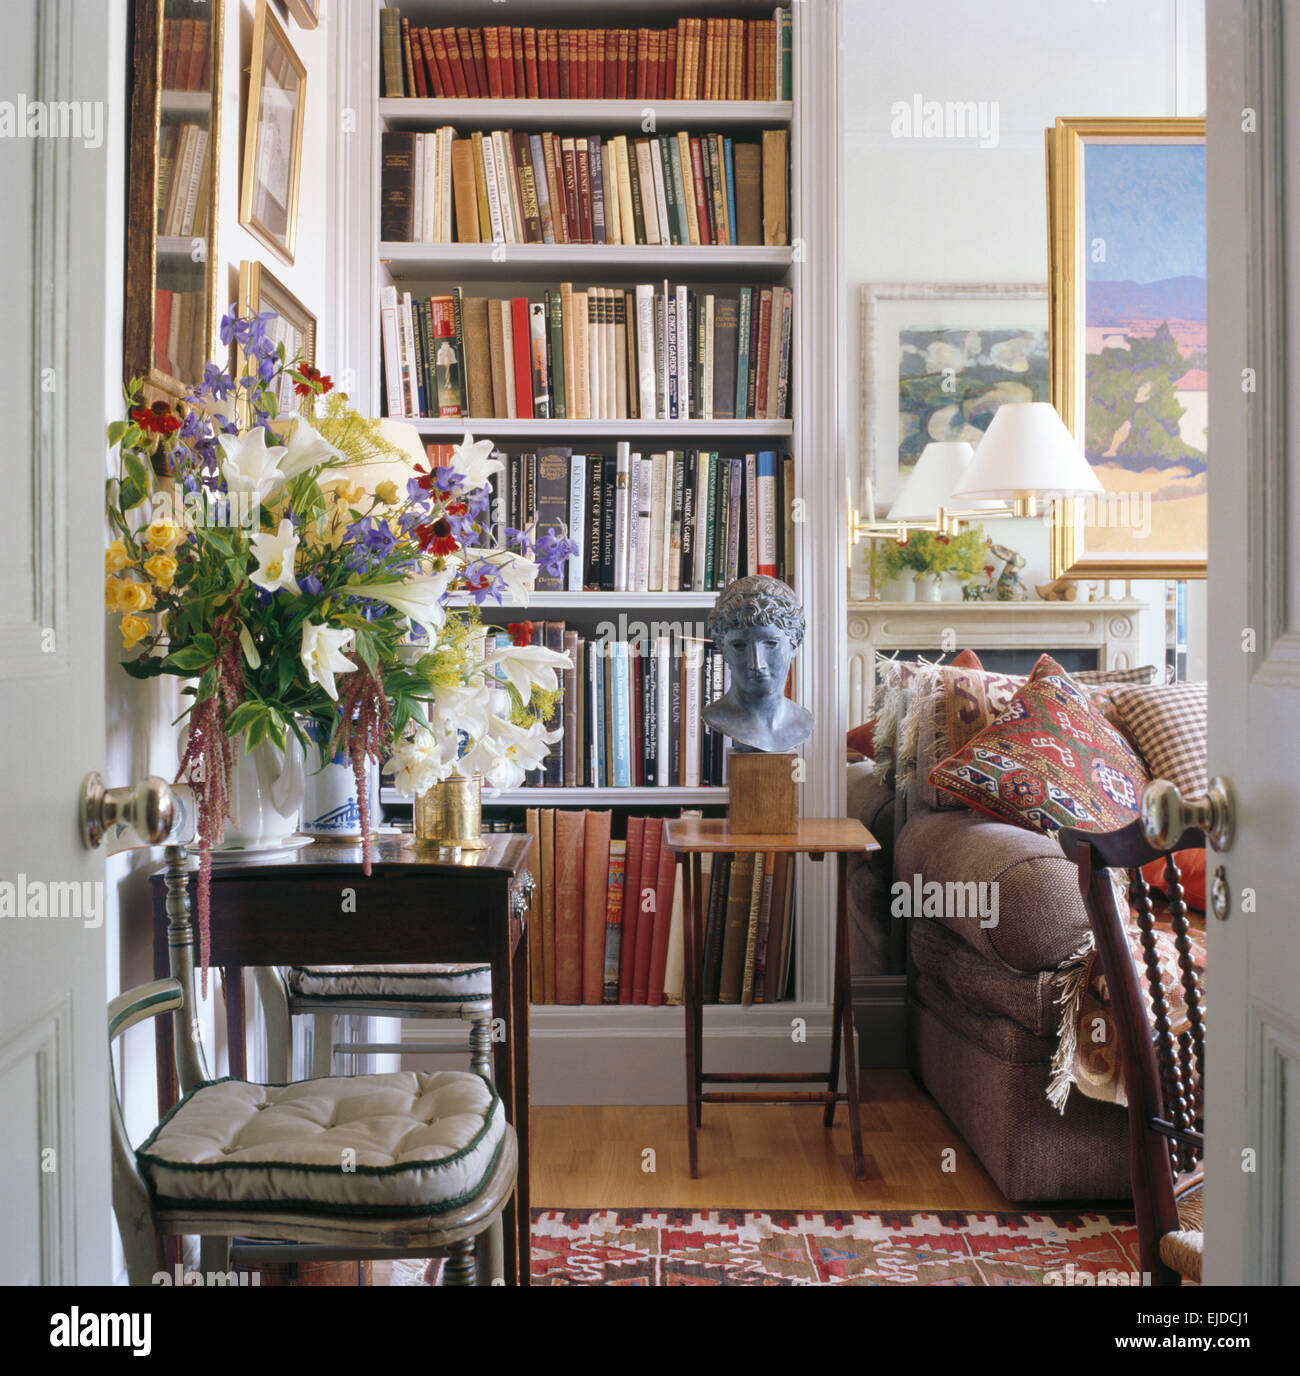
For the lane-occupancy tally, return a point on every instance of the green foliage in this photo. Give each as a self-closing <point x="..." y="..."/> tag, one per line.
<point x="928" y="551"/>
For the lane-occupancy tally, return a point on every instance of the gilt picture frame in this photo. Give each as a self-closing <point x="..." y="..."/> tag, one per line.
<point x="1126" y="231"/>
<point x="277" y="104"/>
<point x="294" y="325"/>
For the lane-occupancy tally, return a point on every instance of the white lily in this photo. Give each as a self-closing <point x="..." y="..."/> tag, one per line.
<point x="420" y="599"/>
<point x="518" y="573"/>
<point x="459" y="709"/>
<point x="530" y="666"/>
<point x="275" y="556"/>
<point x="307" y="448"/>
<point x="251" y="465"/>
<point x="471" y="460"/>
<point x="322" y="654"/>
<point x="507" y="753"/>
<point x="422" y="761"/>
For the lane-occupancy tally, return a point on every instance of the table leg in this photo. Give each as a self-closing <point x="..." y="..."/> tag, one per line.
<point x="232" y="988"/>
<point x="844" y="1002"/>
<point x="700" y="905"/>
<point x="837" y="1007"/>
<point x="523" y="1107"/>
<point x="690" y="999"/>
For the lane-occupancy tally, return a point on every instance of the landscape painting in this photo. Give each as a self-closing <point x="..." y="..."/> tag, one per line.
<point x="1130" y="341"/>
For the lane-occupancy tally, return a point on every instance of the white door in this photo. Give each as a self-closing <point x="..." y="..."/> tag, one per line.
<point x="1253" y="976"/>
<point x="56" y="368"/>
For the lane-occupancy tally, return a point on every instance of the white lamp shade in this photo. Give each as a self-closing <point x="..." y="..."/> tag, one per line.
<point x="930" y="484"/>
<point x="1027" y="452"/>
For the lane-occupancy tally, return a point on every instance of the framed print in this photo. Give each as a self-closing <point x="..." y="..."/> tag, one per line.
<point x="1126" y="224"/>
<point x="294" y="325"/>
<point x="277" y="85"/>
<point x="305" y="12"/>
<point x="938" y="361"/>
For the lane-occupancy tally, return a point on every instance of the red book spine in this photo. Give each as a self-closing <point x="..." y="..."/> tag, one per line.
<point x="444" y="65"/>
<point x="751" y="40"/>
<point x="595" y="63"/>
<point x="492" y="53"/>
<point x="569" y="906"/>
<point x="517" y="51"/>
<point x="480" y="62"/>
<point x="532" y="84"/>
<point x="661" y="63"/>
<point x="407" y="60"/>
<point x="611" y="64"/>
<point x="583" y="159"/>
<point x="664" y="891"/>
<point x="506" y="46"/>
<point x="642" y="44"/>
<point x="595" y="887"/>
<point x="413" y="42"/>
<point x="551" y="63"/>
<point x="623" y="39"/>
<point x="697" y="181"/>
<point x="523" y="357"/>
<point x="562" y="62"/>
<point x="459" y="84"/>
<point x="578" y="52"/>
<point x="631" y="908"/>
<point x="764" y="345"/>
<point x="431" y="64"/>
<point x="670" y="63"/>
<point x="569" y="159"/>
<point x="646" y="897"/>
<point x="467" y="64"/>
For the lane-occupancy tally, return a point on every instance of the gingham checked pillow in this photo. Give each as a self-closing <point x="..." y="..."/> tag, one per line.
<point x="1168" y="723"/>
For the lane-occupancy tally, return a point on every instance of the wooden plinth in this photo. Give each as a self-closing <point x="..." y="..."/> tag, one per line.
<point x="764" y="795"/>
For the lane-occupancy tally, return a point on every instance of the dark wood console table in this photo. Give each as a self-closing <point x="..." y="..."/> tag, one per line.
<point x="418" y="906"/>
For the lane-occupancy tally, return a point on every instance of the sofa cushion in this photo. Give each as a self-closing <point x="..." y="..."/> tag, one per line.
<point x="1050" y="760"/>
<point x="406" y="1143"/>
<point x="1040" y="918"/>
<point x="982" y="985"/>
<point x="426" y="983"/>
<point x="1168" y="722"/>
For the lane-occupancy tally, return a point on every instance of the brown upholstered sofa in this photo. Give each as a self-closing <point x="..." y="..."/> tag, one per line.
<point x="981" y="1014"/>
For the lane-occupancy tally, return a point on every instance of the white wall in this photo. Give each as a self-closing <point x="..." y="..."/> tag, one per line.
<point x="930" y="210"/>
<point x="141" y="737"/>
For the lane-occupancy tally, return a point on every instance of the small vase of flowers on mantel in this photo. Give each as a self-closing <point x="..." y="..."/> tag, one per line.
<point x="928" y="556"/>
<point x="306" y="604"/>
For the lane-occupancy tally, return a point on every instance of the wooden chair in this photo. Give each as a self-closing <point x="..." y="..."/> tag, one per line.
<point x="301" y="1173"/>
<point x="1163" y="1069"/>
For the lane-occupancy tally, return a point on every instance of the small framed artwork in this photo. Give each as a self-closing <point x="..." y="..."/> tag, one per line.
<point x="1127" y="241"/>
<point x="277" y="86"/>
<point x="938" y="361"/>
<point x="305" y="12"/>
<point x="294" y="325"/>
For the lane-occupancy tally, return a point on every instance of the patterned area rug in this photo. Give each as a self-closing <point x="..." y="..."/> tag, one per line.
<point x="735" y="1247"/>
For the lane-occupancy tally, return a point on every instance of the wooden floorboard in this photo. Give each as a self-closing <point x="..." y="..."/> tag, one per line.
<point x="770" y="1156"/>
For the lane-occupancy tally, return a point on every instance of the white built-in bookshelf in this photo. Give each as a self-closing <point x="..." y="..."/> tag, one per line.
<point x="622" y="1053"/>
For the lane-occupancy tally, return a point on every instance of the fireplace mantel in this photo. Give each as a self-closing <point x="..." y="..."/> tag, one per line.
<point x="1111" y="628"/>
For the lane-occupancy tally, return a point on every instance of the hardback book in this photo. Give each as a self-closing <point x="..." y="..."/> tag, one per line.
<point x="662" y="676"/>
<point x="537" y="358"/>
<point x="770" y="411"/>
<point x="571" y="745"/>
<point x="570" y="830"/>
<point x="621" y="721"/>
<point x="594" y="525"/>
<point x="644" y="522"/>
<point x="552" y="509"/>
<point x="674" y="963"/>
<point x="614" y="921"/>
<point x="446" y="356"/>
<point x="646" y="899"/>
<point x="735" y="929"/>
<point x="622" y="495"/>
<point x="726" y="326"/>
<point x="747" y="159"/>
<point x="465" y="190"/>
<point x="553" y="765"/>
<point x="762" y="887"/>
<point x="665" y="907"/>
<point x="574" y="570"/>
<point x="546" y="863"/>
<point x="397" y="185"/>
<point x="595" y="902"/>
<point x="776" y="229"/>
<point x="767" y="513"/>
<point x="478" y="355"/>
<point x="631" y="906"/>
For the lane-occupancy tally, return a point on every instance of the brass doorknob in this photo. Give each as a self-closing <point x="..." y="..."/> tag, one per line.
<point x="1166" y="814"/>
<point x="148" y="808"/>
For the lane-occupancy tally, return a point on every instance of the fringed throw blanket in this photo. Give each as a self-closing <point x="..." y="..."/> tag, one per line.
<point x="1087" y="1051"/>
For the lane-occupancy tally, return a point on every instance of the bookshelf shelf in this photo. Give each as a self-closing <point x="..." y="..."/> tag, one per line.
<point x="408" y="112"/>
<point x="419" y="262"/>
<point x="577" y="601"/>
<point x="685" y="432"/>
<point x="583" y="797"/>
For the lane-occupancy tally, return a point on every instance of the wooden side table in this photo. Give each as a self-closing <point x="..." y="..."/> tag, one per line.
<point x="690" y="838"/>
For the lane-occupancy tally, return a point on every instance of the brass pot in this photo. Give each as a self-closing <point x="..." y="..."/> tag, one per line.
<point x="451" y="813"/>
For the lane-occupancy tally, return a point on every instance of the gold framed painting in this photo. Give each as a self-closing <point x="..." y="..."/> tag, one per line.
<point x="306" y="12"/>
<point x="1126" y="230"/>
<point x="277" y="90"/>
<point x="294" y="325"/>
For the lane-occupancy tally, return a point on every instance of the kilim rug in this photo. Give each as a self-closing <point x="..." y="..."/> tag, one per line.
<point x="739" y="1247"/>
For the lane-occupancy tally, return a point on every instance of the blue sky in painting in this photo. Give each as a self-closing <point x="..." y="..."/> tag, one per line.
<point x="1147" y="201"/>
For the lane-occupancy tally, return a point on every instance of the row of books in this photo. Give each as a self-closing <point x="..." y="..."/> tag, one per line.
<point x="608" y="918"/>
<point x="181" y="193"/>
<point x="630" y="710"/>
<point x="185" y="55"/>
<point x="508" y="186"/>
<point x="604" y="353"/>
<point x="686" y="520"/>
<point x="697" y="59"/>
<point x="179" y="333"/>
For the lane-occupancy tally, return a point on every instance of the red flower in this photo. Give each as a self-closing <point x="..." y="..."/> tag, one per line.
<point x="521" y="633"/>
<point x="156" y="419"/>
<point x="436" y="538"/>
<point x="312" y="380"/>
<point x="988" y="570"/>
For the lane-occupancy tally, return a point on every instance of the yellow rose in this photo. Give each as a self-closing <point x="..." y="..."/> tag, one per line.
<point x="387" y="492"/>
<point x="162" y="569"/>
<point x="134" y="630"/>
<point x="163" y="535"/>
<point x="112" y="593"/>
<point x="116" y="558"/>
<point x="134" y="597"/>
<point x="346" y="492"/>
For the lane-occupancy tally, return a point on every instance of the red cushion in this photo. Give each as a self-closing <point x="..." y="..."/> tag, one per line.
<point x="966" y="659"/>
<point x="859" y="739"/>
<point x="1191" y="866"/>
<point x="1050" y="760"/>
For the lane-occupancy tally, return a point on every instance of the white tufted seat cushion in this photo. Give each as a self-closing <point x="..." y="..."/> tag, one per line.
<point x="405" y="1143"/>
<point x="434" y="983"/>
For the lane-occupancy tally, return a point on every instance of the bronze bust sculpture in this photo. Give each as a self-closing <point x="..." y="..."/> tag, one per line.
<point x="758" y="625"/>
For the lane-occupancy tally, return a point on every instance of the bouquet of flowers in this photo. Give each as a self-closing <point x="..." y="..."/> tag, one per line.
<point x="249" y="560"/>
<point x="930" y="552"/>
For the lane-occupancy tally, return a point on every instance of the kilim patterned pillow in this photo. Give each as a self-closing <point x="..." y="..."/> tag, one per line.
<point x="1168" y="723"/>
<point x="1049" y="760"/>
